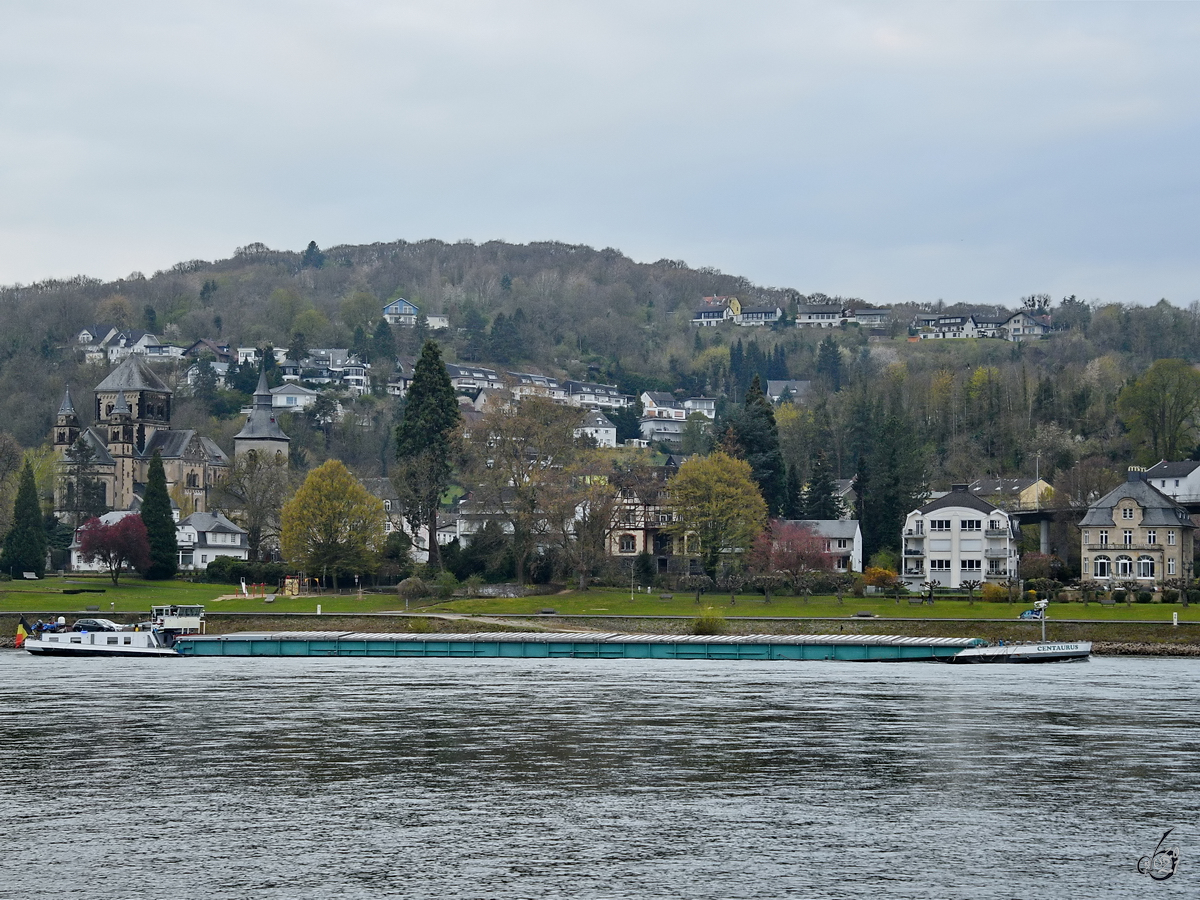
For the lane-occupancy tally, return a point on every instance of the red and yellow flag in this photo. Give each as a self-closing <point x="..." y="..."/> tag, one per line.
<point x="23" y="631"/>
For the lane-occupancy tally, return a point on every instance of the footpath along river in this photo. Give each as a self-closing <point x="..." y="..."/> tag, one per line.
<point x="364" y="778"/>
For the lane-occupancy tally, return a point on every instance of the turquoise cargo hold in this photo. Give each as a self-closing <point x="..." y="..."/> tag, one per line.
<point x="560" y="645"/>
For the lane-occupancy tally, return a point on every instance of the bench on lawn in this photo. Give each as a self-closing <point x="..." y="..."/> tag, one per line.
<point x="1108" y="601"/>
<point x="32" y="576"/>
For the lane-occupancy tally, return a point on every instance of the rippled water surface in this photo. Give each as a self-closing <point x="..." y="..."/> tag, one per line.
<point x="362" y="778"/>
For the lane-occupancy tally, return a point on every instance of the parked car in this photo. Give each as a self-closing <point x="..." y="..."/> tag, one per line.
<point x="96" y="625"/>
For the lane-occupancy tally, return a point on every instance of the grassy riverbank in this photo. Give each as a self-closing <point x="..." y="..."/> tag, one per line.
<point x="134" y="596"/>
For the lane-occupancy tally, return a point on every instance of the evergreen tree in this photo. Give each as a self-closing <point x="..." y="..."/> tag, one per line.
<point x="821" y="500"/>
<point x="160" y="526"/>
<point x="758" y="437"/>
<point x="359" y="345"/>
<point x="383" y="343"/>
<point x="829" y="363"/>
<point x="504" y="341"/>
<point x="313" y="258"/>
<point x="793" y="500"/>
<point x="25" y="544"/>
<point x="426" y="443"/>
<point x="890" y="483"/>
<point x="297" y="349"/>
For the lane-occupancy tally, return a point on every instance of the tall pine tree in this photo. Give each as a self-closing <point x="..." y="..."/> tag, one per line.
<point x="758" y="438"/>
<point x="160" y="526"/>
<point x="25" y="543"/>
<point x="427" y="443"/>
<point x="821" y="499"/>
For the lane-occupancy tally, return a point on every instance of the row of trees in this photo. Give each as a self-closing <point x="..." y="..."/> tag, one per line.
<point x="144" y="541"/>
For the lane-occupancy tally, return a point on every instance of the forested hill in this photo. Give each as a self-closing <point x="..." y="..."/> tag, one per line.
<point x="964" y="408"/>
<point x="573" y="306"/>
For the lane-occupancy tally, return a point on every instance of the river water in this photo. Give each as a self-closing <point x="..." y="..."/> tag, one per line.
<point x="362" y="778"/>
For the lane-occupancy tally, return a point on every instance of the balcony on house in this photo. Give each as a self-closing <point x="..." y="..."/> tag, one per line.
<point x="996" y="553"/>
<point x="914" y="551"/>
<point x="996" y="532"/>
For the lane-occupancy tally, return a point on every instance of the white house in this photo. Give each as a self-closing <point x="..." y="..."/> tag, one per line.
<point x="290" y="395"/>
<point x="821" y="315"/>
<point x="958" y="537"/>
<point x="706" y="406"/>
<point x="663" y="417"/>
<point x="597" y="426"/>
<point x="1024" y="326"/>
<point x="202" y="537"/>
<point x="529" y="384"/>
<point x="1178" y="480"/>
<point x="872" y="316"/>
<point x="587" y="394"/>
<point x="473" y="378"/>
<point x="401" y="312"/>
<point x="843" y="541"/>
<point x="759" y="315"/>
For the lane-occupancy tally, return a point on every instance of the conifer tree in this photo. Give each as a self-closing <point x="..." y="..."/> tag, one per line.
<point x="793" y="501"/>
<point x="427" y="443"/>
<point x="758" y="437"/>
<point x="160" y="526"/>
<point x="821" y="500"/>
<point x="25" y="543"/>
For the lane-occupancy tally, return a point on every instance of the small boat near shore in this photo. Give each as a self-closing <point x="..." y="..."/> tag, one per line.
<point x="1042" y="652"/>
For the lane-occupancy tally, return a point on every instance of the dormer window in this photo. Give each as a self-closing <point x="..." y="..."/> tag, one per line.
<point x="1127" y="512"/>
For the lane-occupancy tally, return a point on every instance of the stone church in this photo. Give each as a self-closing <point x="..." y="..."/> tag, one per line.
<point x="133" y="420"/>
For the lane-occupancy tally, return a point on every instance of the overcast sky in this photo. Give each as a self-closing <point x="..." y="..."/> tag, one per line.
<point x="894" y="151"/>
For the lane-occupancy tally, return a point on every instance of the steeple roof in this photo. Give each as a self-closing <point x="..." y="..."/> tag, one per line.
<point x="134" y="374"/>
<point x="261" y="424"/>
<point x="68" y="405"/>
<point x="122" y="405"/>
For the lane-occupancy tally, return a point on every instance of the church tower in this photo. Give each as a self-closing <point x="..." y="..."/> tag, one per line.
<point x="66" y="426"/>
<point x="261" y="434"/>
<point x="120" y="445"/>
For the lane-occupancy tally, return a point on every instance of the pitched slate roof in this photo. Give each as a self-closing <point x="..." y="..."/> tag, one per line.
<point x="1180" y="469"/>
<point x="1157" y="508"/>
<point x="68" y="405"/>
<point x="212" y="522"/>
<point x="261" y="424"/>
<point x="134" y="374"/>
<point x="100" y="454"/>
<point x="958" y="498"/>
<point x="830" y="528"/>
<point x="597" y="419"/>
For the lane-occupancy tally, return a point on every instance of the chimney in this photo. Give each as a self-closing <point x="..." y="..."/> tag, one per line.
<point x="958" y="488"/>
<point x="1136" y="473"/>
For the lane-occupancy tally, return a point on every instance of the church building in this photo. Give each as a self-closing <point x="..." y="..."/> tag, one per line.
<point x="132" y="421"/>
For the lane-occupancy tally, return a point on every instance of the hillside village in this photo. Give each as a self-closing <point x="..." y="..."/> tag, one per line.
<point x="1029" y="414"/>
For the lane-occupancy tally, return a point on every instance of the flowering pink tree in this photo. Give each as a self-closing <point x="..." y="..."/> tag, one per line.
<point x="789" y="550"/>
<point x="117" y="545"/>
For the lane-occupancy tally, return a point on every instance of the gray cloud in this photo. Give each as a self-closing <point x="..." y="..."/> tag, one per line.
<point x="893" y="151"/>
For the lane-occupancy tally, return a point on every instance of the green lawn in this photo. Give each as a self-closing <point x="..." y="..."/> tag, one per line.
<point x="604" y="601"/>
<point x="135" y="596"/>
<point x="131" y="595"/>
